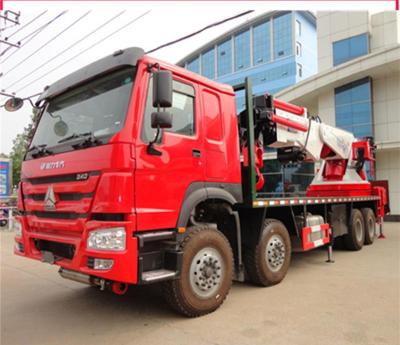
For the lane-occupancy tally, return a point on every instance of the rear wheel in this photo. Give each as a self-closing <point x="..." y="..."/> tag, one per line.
<point x="206" y="275"/>
<point x="354" y="239"/>
<point x="369" y="222"/>
<point x="268" y="261"/>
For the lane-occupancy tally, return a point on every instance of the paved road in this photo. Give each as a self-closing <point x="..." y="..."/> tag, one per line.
<point x="354" y="301"/>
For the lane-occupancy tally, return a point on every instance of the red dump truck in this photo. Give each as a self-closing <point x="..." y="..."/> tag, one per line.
<point x="142" y="172"/>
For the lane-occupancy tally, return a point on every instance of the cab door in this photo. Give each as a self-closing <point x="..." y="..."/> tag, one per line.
<point x="161" y="181"/>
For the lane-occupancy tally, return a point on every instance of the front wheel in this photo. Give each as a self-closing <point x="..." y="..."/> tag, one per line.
<point x="268" y="261"/>
<point x="206" y="275"/>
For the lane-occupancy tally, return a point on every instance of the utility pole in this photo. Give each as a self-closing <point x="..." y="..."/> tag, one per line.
<point x="12" y="17"/>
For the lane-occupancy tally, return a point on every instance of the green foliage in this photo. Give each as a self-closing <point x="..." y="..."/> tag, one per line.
<point x="20" y="145"/>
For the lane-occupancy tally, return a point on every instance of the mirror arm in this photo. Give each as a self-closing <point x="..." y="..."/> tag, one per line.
<point x="151" y="150"/>
<point x="33" y="105"/>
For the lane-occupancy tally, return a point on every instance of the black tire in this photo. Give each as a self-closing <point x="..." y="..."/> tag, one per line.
<point x="261" y="269"/>
<point x="370" y="224"/>
<point x="3" y="222"/>
<point x="354" y="239"/>
<point x="200" y="271"/>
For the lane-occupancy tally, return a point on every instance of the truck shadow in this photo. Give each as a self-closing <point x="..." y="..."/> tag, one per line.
<point x="147" y="301"/>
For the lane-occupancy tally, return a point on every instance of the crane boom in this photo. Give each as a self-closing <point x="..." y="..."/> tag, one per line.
<point x="299" y="137"/>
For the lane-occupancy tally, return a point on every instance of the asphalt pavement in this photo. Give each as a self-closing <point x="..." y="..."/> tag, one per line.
<point x="356" y="300"/>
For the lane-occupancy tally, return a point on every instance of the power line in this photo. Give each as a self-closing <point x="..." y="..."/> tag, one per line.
<point x="49" y="41"/>
<point x="68" y="48"/>
<point x="199" y="31"/>
<point x="84" y="51"/>
<point x="27" y="24"/>
<point x="32" y="35"/>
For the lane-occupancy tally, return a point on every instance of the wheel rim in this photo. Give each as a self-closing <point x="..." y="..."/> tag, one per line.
<point x="275" y="253"/>
<point x="206" y="272"/>
<point x="371" y="228"/>
<point x="359" y="230"/>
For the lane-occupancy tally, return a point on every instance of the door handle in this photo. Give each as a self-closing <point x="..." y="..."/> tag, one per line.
<point x="196" y="153"/>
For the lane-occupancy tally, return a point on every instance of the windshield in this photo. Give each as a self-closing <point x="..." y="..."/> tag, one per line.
<point x="98" y="108"/>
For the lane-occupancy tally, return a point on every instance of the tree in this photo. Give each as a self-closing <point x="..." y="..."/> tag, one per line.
<point x="20" y="145"/>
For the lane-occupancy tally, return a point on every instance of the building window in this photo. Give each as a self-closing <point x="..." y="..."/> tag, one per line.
<point x="298" y="49"/>
<point x="242" y="50"/>
<point x="224" y="58"/>
<point x="194" y="65"/>
<point x="350" y="48"/>
<point x="282" y="36"/>
<point x="262" y="43"/>
<point x="298" y="28"/>
<point x="353" y="107"/>
<point x="299" y="70"/>
<point x="208" y="64"/>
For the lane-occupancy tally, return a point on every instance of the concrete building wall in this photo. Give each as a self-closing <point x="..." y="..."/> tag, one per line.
<point x="388" y="163"/>
<point x="385" y="30"/>
<point x="334" y="26"/>
<point x="386" y="105"/>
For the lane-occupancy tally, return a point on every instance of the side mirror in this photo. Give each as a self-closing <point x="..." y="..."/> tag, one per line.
<point x="13" y="104"/>
<point x="162" y="89"/>
<point x="161" y="119"/>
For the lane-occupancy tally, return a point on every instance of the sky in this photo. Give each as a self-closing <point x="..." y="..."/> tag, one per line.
<point x="159" y="22"/>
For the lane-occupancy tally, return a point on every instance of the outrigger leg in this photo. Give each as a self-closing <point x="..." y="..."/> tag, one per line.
<point x="330" y="260"/>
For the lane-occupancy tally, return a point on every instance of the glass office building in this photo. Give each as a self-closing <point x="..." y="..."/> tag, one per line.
<point x="276" y="50"/>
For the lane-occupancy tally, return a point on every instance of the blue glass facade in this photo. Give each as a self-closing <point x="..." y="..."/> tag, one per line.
<point x="262" y="43"/>
<point x="224" y="58"/>
<point x="263" y="50"/>
<point x="208" y="64"/>
<point x="283" y="33"/>
<point x="353" y="108"/>
<point x="242" y="50"/>
<point x="350" y="48"/>
<point x="194" y="65"/>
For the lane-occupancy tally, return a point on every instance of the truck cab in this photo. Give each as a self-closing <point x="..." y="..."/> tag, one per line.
<point x="90" y="184"/>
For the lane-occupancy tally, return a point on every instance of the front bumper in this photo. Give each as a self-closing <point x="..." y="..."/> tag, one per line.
<point x="125" y="264"/>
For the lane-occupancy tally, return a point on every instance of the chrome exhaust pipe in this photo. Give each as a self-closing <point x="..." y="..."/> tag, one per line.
<point x="75" y="276"/>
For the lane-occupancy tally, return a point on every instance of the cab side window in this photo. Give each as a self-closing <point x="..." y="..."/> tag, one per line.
<point x="182" y="111"/>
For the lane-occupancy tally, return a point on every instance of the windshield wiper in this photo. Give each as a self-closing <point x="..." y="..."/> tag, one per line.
<point x="74" y="136"/>
<point x="40" y="150"/>
<point x="88" y="140"/>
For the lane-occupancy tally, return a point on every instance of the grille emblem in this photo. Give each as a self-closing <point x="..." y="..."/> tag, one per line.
<point x="50" y="200"/>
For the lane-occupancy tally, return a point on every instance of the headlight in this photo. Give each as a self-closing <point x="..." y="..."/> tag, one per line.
<point x="107" y="239"/>
<point x="18" y="229"/>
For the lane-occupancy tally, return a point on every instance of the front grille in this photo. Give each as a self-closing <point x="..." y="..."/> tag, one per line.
<point x="61" y="178"/>
<point x="61" y="196"/>
<point x="58" y="215"/>
<point x="58" y="249"/>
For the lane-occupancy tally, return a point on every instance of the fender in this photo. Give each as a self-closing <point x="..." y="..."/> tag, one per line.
<point x="201" y="191"/>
